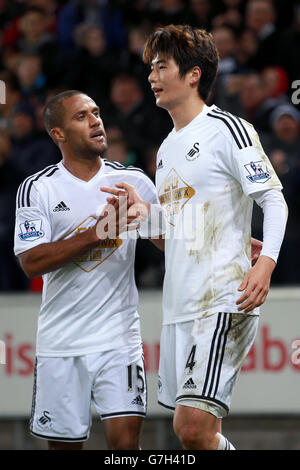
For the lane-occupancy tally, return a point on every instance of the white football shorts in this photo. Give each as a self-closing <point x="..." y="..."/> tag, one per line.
<point x="201" y="359"/>
<point x="65" y="387"/>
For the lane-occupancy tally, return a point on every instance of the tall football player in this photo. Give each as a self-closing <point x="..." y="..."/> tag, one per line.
<point x="210" y="169"/>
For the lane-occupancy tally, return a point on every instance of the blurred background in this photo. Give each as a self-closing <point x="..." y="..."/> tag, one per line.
<point x="48" y="46"/>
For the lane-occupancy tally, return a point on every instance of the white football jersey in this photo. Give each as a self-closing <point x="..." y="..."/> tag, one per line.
<point x="89" y="305"/>
<point x="205" y="174"/>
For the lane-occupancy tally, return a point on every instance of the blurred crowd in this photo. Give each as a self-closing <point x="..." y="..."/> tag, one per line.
<point x="48" y="46"/>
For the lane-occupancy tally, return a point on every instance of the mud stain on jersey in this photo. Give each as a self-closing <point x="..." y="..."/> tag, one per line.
<point x="196" y="254"/>
<point x="205" y="303"/>
<point x="234" y="272"/>
<point x="247" y="244"/>
<point x="212" y="229"/>
<point x="206" y="300"/>
<point x="274" y="181"/>
<point x="210" y="235"/>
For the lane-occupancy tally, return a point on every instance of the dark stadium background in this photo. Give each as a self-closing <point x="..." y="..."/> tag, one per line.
<point x="47" y="46"/>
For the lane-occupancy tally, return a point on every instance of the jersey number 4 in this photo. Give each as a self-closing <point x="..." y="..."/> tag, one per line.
<point x="191" y="359"/>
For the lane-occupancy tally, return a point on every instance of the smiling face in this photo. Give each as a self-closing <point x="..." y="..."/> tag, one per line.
<point x="82" y="129"/>
<point x="169" y="88"/>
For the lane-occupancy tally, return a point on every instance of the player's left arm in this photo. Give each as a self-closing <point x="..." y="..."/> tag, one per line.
<point x="256" y="282"/>
<point x="264" y="188"/>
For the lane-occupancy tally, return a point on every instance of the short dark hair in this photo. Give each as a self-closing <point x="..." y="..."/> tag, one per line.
<point x="189" y="47"/>
<point x="54" y="111"/>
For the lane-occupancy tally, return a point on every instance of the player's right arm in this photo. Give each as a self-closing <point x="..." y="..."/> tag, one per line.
<point x="39" y="255"/>
<point x="48" y="257"/>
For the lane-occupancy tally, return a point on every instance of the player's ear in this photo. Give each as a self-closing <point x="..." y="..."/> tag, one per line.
<point x="57" y="134"/>
<point x="195" y="75"/>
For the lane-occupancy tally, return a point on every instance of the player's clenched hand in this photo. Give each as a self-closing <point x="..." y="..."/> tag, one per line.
<point x="115" y="219"/>
<point x="256" y="284"/>
<point x="135" y="202"/>
<point x="256" y="246"/>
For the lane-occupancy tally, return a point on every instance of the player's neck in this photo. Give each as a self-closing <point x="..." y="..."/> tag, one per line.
<point x="185" y="112"/>
<point x="83" y="168"/>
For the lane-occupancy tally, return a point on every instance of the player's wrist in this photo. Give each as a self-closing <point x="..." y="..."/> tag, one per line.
<point x="93" y="236"/>
<point x="267" y="262"/>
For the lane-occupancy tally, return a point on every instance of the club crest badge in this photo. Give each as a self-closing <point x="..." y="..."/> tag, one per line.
<point x="31" y="230"/>
<point x="173" y="195"/>
<point x="93" y="257"/>
<point x="257" y="172"/>
<point x="193" y="153"/>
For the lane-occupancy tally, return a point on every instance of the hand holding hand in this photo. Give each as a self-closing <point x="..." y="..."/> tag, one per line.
<point x="115" y="219"/>
<point x="136" y="205"/>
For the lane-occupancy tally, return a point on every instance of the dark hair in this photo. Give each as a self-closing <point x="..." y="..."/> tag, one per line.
<point x="54" y="110"/>
<point x="189" y="47"/>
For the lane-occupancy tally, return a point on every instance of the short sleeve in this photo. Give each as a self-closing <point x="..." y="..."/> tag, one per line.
<point x="32" y="225"/>
<point x="251" y="166"/>
<point x="147" y="190"/>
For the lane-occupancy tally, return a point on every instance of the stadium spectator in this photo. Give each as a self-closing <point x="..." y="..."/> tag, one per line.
<point x="291" y="47"/>
<point x="136" y="12"/>
<point x="105" y="14"/>
<point x="33" y="27"/>
<point x="140" y="121"/>
<point x="200" y="13"/>
<point x="11" y="277"/>
<point x="247" y="47"/>
<point x="169" y="11"/>
<point x="285" y="122"/>
<point x="32" y="36"/>
<point x="131" y="58"/>
<point x="29" y="151"/>
<point x="31" y="79"/>
<point x="118" y="150"/>
<point x="260" y="18"/>
<point x="12" y="97"/>
<point x="91" y="66"/>
<point x="276" y="82"/>
<point x="230" y="16"/>
<point x="10" y="60"/>
<point x="6" y="12"/>
<point x="256" y="105"/>
<point x="226" y="44"/>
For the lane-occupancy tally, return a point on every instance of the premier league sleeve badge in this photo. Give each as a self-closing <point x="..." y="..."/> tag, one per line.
<point x="257" y="173"/>
<point x="31" y="230"/>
